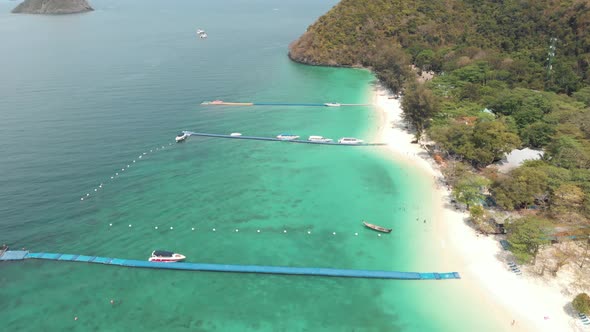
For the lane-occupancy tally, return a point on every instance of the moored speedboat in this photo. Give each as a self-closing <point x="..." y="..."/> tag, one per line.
<point x="200" y="31"/>
<point x="320" y="139"/>
<point x="165" y="256"/>
<point x="235" y="134"/>
<point x="203" y="36"/>
<point x="332" y="104"/>
<point x="377" y="228"/>
<point x="287" y="137"/>
<point x="181" y="137"/>
<point x="350" y="140"/>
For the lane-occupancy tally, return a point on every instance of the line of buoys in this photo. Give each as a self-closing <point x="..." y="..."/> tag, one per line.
<point x="237" y="230"/>
<point x="122" y="170"/>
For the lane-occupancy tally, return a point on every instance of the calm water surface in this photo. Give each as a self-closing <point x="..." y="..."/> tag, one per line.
<point x="84" y="96"/>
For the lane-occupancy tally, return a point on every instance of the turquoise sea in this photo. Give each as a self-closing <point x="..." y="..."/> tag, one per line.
<point x="87" y="97"/>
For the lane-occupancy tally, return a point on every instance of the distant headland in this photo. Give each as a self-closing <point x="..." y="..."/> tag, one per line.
<point x="50" y="7"/>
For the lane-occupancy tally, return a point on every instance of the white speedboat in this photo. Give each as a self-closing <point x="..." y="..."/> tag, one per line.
<point x="321" y="139"/>
<point x="350" y="140"/>
<point x="287" y="137"/>
<point x="166" y="256"/>
<point x="203" y="36"/>
<point x="200" y="31"/>
<point x="235" y="134"/>
<point x="332" y="104"/>
<point x="181" y="137"/>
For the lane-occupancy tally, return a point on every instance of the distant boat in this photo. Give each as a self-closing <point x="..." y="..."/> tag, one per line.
<point x="287" y="137"/>
<point x="165" y="256"/>
<point x="350" y="140"/>
<point x="235" y="134"/>
<point x="200" y="31"/>
<point x="377" y="228"/>
<point x="320" y="139"/>
<point x="181" y="137"/>
<point x="332" y="104"/>
<point x="203" y="36"/>
<point x="216" y="102"/>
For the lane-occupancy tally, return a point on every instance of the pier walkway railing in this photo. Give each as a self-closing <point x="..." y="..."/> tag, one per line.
<point x="307" y="271"/>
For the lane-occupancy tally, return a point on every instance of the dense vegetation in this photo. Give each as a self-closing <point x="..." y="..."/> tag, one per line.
<point x="508" y="74"/>
<point x="582" y="303"/>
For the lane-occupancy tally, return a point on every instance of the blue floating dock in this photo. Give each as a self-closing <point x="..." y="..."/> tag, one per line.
<point x="307" y="271"/>
<point x="13" y="255"/>
<point x="257" y="138"/>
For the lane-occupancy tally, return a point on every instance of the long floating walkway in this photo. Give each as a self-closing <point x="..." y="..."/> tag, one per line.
<point x="190" y="133"/>
<point x="307" y="271"/>
<point x="228" y="103"/>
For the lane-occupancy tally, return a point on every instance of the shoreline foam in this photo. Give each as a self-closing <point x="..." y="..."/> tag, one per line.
<point x="529" y="301"/>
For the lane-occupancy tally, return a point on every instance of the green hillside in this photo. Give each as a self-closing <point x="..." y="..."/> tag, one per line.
<point x="435" y="34"/>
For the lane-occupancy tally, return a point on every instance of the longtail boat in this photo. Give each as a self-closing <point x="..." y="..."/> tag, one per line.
<point x="377" y="228"/>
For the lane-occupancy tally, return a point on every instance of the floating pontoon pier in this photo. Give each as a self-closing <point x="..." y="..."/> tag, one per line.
<point x="190" y="133"/>
<point x="307" y="271"/>
<point x="227" y="103"/>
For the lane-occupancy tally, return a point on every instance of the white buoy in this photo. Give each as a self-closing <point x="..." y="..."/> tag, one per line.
<point x="171" y="227"/>
<point x="237" y="230"/>
<point x="112" y="177"/>
<point x="356" y="234"/>
<point x="100" y="186"/>
<point x="156" y="227"/>
<point x="193" y="229"/>
<point x="128" y="166"/>
<point x="134" y="161"/>
<point x="95" y="189"/>
<point x="87" y="195"/>
<point x="144" y="153"/>
<point x="285" y="231"/>
<point x="110" y="224"/>
<point x="214" y="229"/>
<point x="116" y="174"/>
<point x="139" y="157"/>
<point x="82" y="198"/>
<point x="258" y="231"/>
<point x="378" y="234"/>
<point x="308" y="232"/>
<point x="333" y="233"/>
<point x="122" y="169"/>
<point x="151" y="150"/>
<point x="129" y="225"/>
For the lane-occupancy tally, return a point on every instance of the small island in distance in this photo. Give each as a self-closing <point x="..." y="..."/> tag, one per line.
<point x="50" y="7"/>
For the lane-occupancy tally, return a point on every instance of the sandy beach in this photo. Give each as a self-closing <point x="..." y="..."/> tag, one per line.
<point x="532" y="302"/>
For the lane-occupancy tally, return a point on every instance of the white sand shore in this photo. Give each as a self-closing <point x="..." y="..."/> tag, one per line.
<point x="533" y="304"/>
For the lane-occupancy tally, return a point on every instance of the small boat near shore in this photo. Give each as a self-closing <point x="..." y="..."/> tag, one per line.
<point x="320" y="139"/>
<point x="377" y="228"/>
<point x="166" y="256"/>
<point x="287" y="137"/>
<point x="235" y="134"/>
<point x="350" y="140"/>
<point x="332" y="104"/>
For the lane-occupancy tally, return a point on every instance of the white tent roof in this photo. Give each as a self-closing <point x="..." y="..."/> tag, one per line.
<point x="516" y="157"/>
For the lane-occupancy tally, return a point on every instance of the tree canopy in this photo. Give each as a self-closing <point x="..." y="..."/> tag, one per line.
<point x="526" y="236"/>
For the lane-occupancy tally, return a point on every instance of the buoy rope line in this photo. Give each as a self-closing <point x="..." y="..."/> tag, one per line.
<point x="237" y="230"/>
<point x="118" y="172"/>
